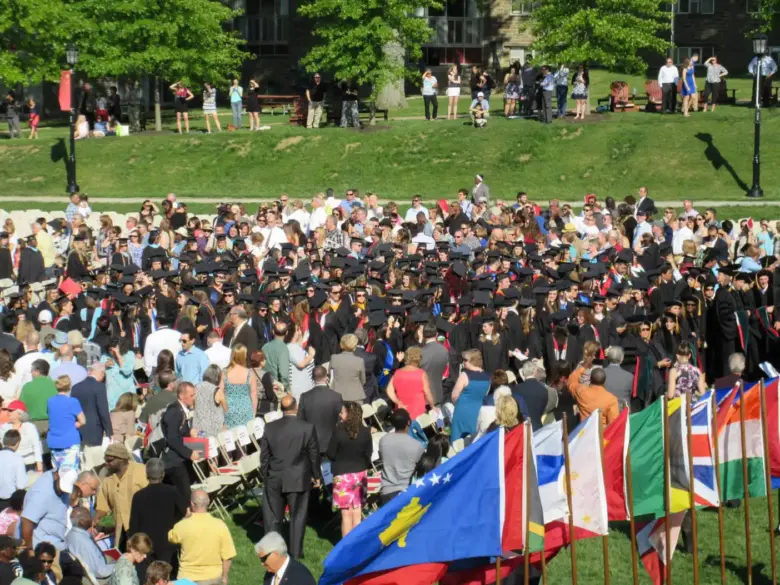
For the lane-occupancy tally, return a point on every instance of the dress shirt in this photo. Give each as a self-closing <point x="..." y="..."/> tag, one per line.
<point x="71" y="211"/>
<point x="23" y="365"/>
<point x="47" y="511"/>
<point x="768" y="66"/>
<point x="548" y="82"/>
<point x="668" y="74"/>
<point x="317" y="219"/>
<point x="219" y="354"/>
<point x="641" y="229"/>
<point x="163" y="338"/>
<point x="14" y="476"/>
<point x="80" y="543"/>
<point x="466" y="206"/>
<point x="681" y="235"/>
<point x="411" y="214"/>
<point x="75" y="372"/>
<point x="280" y="573"/>
<point x="191" y="364"/>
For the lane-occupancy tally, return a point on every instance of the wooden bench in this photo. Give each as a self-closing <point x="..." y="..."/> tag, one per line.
<point x="619" y="99"/>
<point x="654" y="94"/>
<point x="291" y="105"/>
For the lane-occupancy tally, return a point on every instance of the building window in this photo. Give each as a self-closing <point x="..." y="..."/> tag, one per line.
<point x="680" y="53"/>
<point x="523" y="8"/>
<point x="457" y="33"/>
<point x="695" y="6"/>
<point x="266" y="26"/>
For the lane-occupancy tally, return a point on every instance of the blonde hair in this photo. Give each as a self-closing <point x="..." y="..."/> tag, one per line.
<point x="689" y="248"/>
<point x="62" y="384"/>
<point x="238" y="356"/>
<point x="413" y="356"/>
<point x="507" y="412"/>
<point x="140" y="543"/>
<point x="348" y="342"/>
<point x="126" y="402"/>
<point x="473" y="357"/>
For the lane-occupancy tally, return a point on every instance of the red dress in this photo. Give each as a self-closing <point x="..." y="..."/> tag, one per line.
<point x="408" y="386"/>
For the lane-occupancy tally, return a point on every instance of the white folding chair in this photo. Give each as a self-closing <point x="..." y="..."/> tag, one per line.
<point x="368" y="412"/>
<point x="272" y="416"/>
<point x="376" y="462"/>
<point x="377" y="405"/>
<point x="458" y="445"/>
<point x="426" y="421"/>
<point x="246" y="466"/>
<point x="256" y="428"/>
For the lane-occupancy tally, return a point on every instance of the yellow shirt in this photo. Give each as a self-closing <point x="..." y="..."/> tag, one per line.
<point x="205" y="542"/>
<point x="46" y="247"/>
<point x="116" y="495"/>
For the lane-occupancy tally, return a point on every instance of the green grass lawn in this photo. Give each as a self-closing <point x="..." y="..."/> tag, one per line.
<point x="590" y="569"/>
<point x="703" y="157"/>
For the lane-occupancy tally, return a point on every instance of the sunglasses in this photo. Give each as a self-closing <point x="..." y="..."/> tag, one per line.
<point x="183" y="341"/>
<point x="644" y="328"/>
<point x="264" y="558"/>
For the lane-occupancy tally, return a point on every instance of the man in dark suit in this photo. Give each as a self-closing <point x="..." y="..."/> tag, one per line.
<point x="645" y="203"/>
<point x="373" y="370"/>
<point x="7" y="341"/>
<point x="241" y="332"/>
<point x="281" y="569"/>
<point x="321" y="406"/>
<point x="176" y="427"/>
<point x="289" y="465"/>
<point x="91" y="394"/>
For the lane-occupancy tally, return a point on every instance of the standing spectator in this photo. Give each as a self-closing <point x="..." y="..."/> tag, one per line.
<point x="12" y="108"/>
<point x="430" y="87"/>
<point x="689" y="92"/>
<point x="301" y="365"/>
<point x="10" y="380"/>
<point x="91" y="395"/>
<point x="35" y="117"/>
<point x="511" y="92"/>
<point x="372" y="365"/>
<point x="68" y="365"/>
<point x="289" y="465"/>
<point x="562" y="88"/>
<point x="209" y="416"/>
<point x="29" y="447"/>
<point x="532" y="393"/>
<point x="238" y="390"/>
<point x="267" y="400"/>
<point x="277" y="356"/>
<point x="619" y="382"/>
<point x="14" y="476"/>
<point x="349" y="452"/>
<point x="321" y="406"/>
<point x="453" y="91"/>
<point x="115" y="104"/>
<point x="315" y="95"/>
<point x="253" y="105"/>
<point x="176" y="427"/>
<point x="123" y="417"/>
<point x="349" y="105"/>
<point x="435" y="359"/>
<point x="191" y="361"/>
<point x="117" y="490"/>
<point x="181" y="96"/>
<point x="236" y="95"/>
<point x="125" y="572"/>
<point x="546" y="92"/>
<point x="767" y="72"/>
<point x="65" y="419"/>
<point x="399" y="453"/>
<point x="217" y="353"/>
<point x="210" y="106"/>
<point x="409" y="387"/>
<point x="280" y="568"/>
<point x="348" y="371"/>
<point x="36" y="393"/>
<point x="593" y="396"/>
<point x="155" y="509"/>
<point x="119" y="369"/>
<point x="470" y="389"/>
<point x="667" y="79"/>
<point x="684" y="377"/>
<point x="241" y="331"/>
<point x="715" y="74"/>
<point x="580" y="86"/>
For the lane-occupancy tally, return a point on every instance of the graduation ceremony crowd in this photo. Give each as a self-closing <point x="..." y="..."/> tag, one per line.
<point x="368" y="341"/>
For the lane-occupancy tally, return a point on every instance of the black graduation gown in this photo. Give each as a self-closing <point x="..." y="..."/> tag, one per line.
<point x="495" y="356"/>
<point x="767" y="342"/>
<point x="722" y="336"/>
<point x="648" y="354"/>
<point x="76" y="268"/>
<point x="6" y="263"/>
<point x="31" y="266"/>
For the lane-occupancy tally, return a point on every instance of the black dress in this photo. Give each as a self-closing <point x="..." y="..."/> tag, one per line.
<point x="252" y="103"/>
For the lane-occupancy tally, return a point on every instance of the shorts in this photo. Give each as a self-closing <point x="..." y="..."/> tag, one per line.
<point x="453" y="91"/>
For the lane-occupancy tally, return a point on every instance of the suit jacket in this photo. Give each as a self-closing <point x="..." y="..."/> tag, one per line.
<point x="647" y="205"/>
<point x="295" y="574"/>
<point x="435" y="360"/>
<point x="154" y="511"/>
<point x="290" y="455"/>
<point x="247" y="336"/>
<point x="321" y="407"/>
<point x="92" y="396"/>
<point x="619" y="383"/>
<point x="373" y="371"/>
<point x="175" y="427"/>
<point x="349" y="375"/>
<point x="11" y="345"/>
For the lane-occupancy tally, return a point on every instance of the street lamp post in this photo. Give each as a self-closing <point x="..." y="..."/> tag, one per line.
<point x="72" y="57"/>
<point x="760" y="42"/>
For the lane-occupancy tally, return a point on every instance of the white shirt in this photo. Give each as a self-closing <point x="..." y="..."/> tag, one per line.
<point x="302" y="217"/>
<point x="30" y="448"/>
<point x="161" y="339"/>
<point x="23" y="365"/>
<point x="426" y="241"/>
<point x="668" y="74"/>
<point x="684" y="233"/>
<point x="10" y="388"/>
<point x="411" y="214"/>
<point x="375" y="213"/>
<point x="219" y="354"/>
<point x="466" y="206"/>
<point x="280" y="573"/>
<point x="274" y="237"/>
<point x="317" y="218"/>
<point x="641" y="229"/>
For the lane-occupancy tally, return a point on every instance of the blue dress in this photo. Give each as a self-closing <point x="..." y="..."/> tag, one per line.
<point x="690" y="82"/>
<point x="239" y="402"/>
<point x="464" y="419"/>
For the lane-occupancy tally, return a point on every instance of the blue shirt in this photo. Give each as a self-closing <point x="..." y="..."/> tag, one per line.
<point x="548" y="83"/>
<point x="47" y="510"/>
<point x="191" y="364"/>
<point x="119" y="380"/>
<point x="14" y="475"/>
<point x="75" y="372"/>
<point x="80" y="543"/>
<point x="63" y="411"/>
<point x="747" y="264"/>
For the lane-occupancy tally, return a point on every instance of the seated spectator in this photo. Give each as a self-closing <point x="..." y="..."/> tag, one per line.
<point x="11" y="517"/>
<point x="32" y="571"/>
<point x="138" y="547"/>
<point x="507" y="413"/>
<point x="158" y="573"/>
<point x="399" y="453"/>
<point x="29" y="448"/>
<point x="46" y="553"/>
<point x="82" y="128"/>
<point x="81" y="545"/>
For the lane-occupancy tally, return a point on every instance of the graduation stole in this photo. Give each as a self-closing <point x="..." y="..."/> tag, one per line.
<point x="643" y="378"/>
<point x="766" y="323"/>
<point x="560" y="354"/>
<point x="742" y="329"/>
<point x="598" y="340"/>
<point x="305" y="329"/>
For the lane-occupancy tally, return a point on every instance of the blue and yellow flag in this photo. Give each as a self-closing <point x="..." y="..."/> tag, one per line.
<point x="454" y="512"/>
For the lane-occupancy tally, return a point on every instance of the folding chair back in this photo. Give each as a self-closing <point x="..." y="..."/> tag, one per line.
<point x="242" y="439"/>
<point x="256" y="428"/>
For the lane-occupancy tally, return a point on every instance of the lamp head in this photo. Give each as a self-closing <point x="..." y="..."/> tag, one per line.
<point x="72" y="54"/>
<point x="760" y="42"/>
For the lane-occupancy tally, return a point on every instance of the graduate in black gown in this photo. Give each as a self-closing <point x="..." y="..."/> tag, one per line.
<point x="646" y="360"/>
<point x="493" y="344"/>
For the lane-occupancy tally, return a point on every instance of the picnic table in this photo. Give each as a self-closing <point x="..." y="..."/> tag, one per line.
<point x="289" y="104"/>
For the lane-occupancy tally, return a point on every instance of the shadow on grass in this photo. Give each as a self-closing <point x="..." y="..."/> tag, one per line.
<point x="713" y="154"/>
<point x="59" y="152"/>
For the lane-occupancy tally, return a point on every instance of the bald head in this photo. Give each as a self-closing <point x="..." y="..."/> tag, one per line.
<point x="289" y="405"/>
<point x="32" y="340"/>
<point x="200" y="501"/>
<point x="81" y="517"/>
<point x="66" y="353"/>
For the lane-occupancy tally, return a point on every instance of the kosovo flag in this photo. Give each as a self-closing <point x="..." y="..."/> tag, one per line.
<point x="455" y="512"/>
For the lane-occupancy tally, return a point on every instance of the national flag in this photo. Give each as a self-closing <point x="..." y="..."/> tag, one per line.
<point x="772" y="394"/>
<point x="65" y="91"/>
<point x="704" y="479"/>
<point x="616" y="437"/>
<point x="651" y="544"/>
<point x="588" y="495"/>
<point x="679" y="478"/>
<point x="519" y="484"/>
<point x="548" y="455"/>
<point x="425" y="524"/>
<point x="730" y="446"/>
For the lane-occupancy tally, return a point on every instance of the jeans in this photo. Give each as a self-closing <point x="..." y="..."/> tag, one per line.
<point x="315" y="113"/>
<point x="237" y="107"/>
<point x="562" y="93"/>
<point x="431" y="99"/>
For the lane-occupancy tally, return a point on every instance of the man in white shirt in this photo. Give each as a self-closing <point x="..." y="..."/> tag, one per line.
<point x="680" y="233"/>
<point x="318" y="212"/>
<point x="23" y="366"/>
<point x="372" y="207"/>
<point x="217" y="353"/>
<point x="417" y="207"/>
<point x="300" y="215"/>
<point x="465" y="203"/>
<point x="689" y="211"/>
<point x="163" y="338"/>
<point x="642" y="228"/>
<point x="273" y="235"/>
<point x="667" y="79"/>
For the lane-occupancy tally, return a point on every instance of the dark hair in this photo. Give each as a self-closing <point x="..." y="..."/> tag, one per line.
<point x="40" y="366"/>
<point x="430" y="331"/>
<point x="16" y="501"/>
<point x="12" y="438"/>
<point x="158" y="571"/>
<point x="727" y="226"/>
<point x="438" y="446"/>
<point x="426" y="463"/>
<point x="165" y="379"/>
<point x="44" y="548"/>
<point x="121" y="343"/>
<point x="354" y="419"/>
<point x="165" y="361"/>
<point x="598" y="376"/>
<point x="498" y="378"/>
<point x="104" y="322"/>
<point x="32" y="567"/>
<point x="400" y="419"/>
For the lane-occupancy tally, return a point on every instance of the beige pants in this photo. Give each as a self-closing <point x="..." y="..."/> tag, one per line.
<point x="315" y="114"/>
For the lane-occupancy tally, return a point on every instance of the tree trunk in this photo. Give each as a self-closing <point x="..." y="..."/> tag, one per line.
<point x="392" y="95"/>
<point x="157" y="112"/>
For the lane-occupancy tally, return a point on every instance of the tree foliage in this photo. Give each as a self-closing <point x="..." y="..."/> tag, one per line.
<point x="612" y="33"/>
<point x="764" y="17"/>
<point x="356" y="38"/>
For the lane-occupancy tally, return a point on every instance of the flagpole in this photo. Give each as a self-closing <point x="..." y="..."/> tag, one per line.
<point x="543" y="558"/>
<point x="498" y="570"/>
<point x="528" y="471"/>
<point x="605" y="538"/>
<point x="567" y="479"/>
<point x="667" y="493"/>
<point x="692" y="494"/>
<point x="716" y="449"/>
<point x="745" y="482"/>
<point x="631" y="525"/>
<point x="768" y="478"/>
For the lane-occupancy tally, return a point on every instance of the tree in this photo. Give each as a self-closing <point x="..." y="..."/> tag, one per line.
<point x="764" y="15"/>
<point x="167" y="39"/>
<point x="612" y="33"/>
<point x="366" y="40"/>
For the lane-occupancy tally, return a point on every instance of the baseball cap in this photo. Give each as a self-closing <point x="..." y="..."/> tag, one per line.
<point x="480" y="94"/>
<point x="17" y="405"/>
<point x="45" y="316"/>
